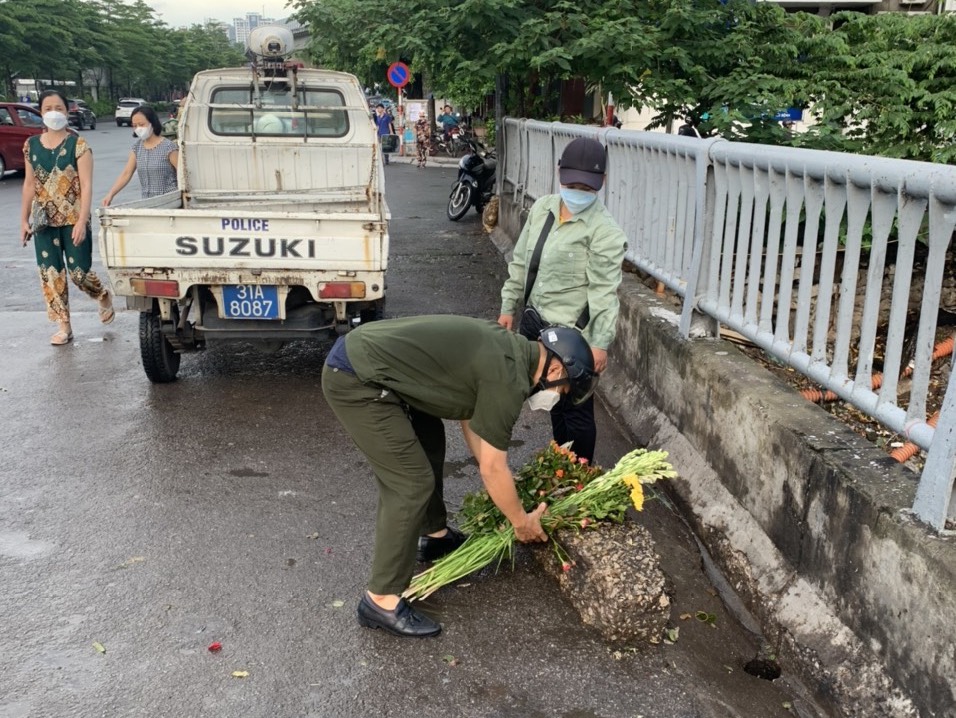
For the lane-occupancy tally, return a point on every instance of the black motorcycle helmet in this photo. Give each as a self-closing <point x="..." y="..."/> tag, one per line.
<point x="573" y="351"/>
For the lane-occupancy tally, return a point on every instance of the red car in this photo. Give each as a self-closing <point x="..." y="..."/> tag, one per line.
<point x="17" y="122"/>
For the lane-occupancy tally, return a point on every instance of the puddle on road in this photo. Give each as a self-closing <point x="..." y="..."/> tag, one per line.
<point x="19" y="545"/>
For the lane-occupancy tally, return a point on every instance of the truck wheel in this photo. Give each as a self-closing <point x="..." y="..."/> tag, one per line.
<point x="373" y="314"/>
<point x="460" y="201"/>
<point x="160" y="362"/>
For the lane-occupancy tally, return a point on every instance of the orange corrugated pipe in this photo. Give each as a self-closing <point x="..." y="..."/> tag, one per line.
<point x="908" y="450"/>
<point x="943" y="348"/>
<point x="818" y="395"/>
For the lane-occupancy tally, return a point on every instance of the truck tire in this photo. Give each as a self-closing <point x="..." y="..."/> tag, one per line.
<point x="460" y="201"/>
<point x="160" y="361"/>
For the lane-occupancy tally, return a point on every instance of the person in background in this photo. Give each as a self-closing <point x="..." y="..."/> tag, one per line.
<point x="423" y="140"/>
<point x="385" y="125"/>
<point x="391" y="383"/>
<point x="448" y="121"/>
<point x="580" y="251"/>
<point x="58" y="182"/>
<point x="689" y="128"/>
<point x="153" y="157"/>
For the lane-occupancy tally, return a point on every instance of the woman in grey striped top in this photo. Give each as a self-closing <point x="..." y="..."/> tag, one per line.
<point x="153" y="157"/>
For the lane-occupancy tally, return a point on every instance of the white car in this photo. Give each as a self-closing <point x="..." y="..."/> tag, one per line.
<point x="124" y="110"/>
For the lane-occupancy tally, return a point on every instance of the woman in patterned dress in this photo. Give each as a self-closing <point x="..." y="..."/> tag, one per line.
<point x="58" y="176"/>
<point x="423" y="140"/>
<point x="153" y="157"/>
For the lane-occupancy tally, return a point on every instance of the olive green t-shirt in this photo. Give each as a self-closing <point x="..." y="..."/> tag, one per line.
<point x="451" y="367"/>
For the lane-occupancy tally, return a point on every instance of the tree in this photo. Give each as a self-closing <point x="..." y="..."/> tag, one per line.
<point x="118" y="44"/>
<point x="874" y="83"/>
<point x="888" y="87"/>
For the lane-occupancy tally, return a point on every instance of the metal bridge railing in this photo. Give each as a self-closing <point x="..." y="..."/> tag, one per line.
<point x="790" y="249"/>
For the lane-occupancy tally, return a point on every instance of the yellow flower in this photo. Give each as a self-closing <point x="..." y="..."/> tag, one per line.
<point x="637" y="491"/>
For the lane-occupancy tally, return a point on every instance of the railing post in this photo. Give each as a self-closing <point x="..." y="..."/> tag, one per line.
<point x="704" y="201"/>
<point x="934" y="495"/>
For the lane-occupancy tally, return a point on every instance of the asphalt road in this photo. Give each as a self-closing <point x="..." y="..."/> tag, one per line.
<point x="230" y="507"/>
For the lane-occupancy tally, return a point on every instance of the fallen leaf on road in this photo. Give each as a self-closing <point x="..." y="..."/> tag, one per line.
<point x="685" y="616"/>
<point x="338" y="604"/>
<point x="215" y="647"/>
<point x="451" y="660"/>
<point x="100" y="648"/>
<point x="313" y="536"/>
<point x="240" y="674"/>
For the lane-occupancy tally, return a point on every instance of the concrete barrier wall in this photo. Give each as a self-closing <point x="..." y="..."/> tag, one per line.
<point x="809" y="522"/>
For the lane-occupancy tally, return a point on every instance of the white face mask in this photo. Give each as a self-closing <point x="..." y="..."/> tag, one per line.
<point x="543" y="400"/>
<point x="144" y="132"/>
<point x="54" y="120"/>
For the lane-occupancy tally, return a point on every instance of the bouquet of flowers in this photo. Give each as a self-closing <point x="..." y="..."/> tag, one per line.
<point x="578" y="496"/>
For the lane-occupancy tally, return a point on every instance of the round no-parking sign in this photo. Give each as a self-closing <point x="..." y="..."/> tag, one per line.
<point x="398" y="74"/>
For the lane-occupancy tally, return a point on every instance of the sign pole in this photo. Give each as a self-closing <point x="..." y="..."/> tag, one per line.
<point x="401" y="123"/>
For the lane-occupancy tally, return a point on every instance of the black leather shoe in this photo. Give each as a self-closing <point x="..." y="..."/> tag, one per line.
<point x="403" y="621"/>
<point x="432" y="549"/>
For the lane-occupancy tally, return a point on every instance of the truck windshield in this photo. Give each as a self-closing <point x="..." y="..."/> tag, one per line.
<point x="321" y="113"/>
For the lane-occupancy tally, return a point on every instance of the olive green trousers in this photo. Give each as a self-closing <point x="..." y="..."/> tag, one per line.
<point x="406" y="450"/>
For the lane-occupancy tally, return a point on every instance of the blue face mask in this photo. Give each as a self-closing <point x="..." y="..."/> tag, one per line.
<point x="577" y="200"/>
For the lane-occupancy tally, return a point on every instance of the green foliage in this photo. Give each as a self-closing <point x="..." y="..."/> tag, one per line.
<point x="101" y="108"/>
<point x="491" y="132"/>
<point x="890" y="83"/>
<point x="551" y="474"/>
<point x="117" y="44"/>
<point x="880" y="84"/>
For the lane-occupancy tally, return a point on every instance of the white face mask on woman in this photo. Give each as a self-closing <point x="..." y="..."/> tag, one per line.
<point x="54" y="120"/>
<point x="144" y="132"/>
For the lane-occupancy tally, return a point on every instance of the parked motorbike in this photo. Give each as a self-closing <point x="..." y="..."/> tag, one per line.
<point x="452" y="144"/>
<point x="475" y="185"/>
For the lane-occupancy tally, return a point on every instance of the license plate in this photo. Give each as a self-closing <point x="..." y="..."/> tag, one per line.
<point x="250" y="301"/>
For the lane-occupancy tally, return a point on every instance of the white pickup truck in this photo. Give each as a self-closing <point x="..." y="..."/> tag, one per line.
<point x="279" y="227"/>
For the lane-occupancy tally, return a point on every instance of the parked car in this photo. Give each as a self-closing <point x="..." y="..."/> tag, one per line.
<point x="124" y="110"/>
<point x="81" y="115"/>
<point x="17" y="122"/>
